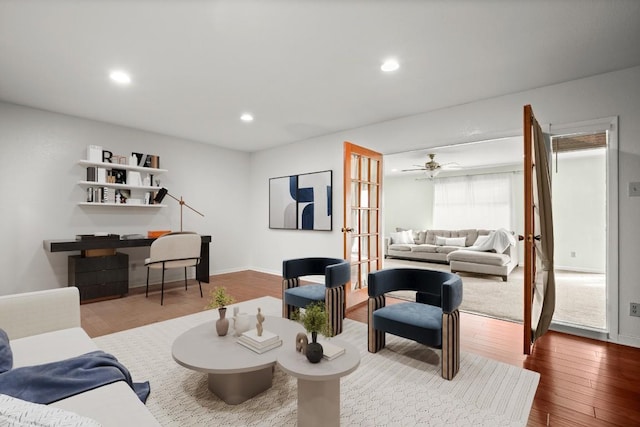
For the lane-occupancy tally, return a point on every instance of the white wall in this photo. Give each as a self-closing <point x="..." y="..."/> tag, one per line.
<point x="606" y="95"/>
<point x="408" y="203"/>
<point x="39" y="153"/>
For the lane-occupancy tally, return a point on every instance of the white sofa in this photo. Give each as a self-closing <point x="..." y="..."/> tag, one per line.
<point x="424" y="245"/>
<point x="44" y="326"/>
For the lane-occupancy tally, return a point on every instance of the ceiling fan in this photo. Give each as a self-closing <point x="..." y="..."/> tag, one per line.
<point x="433" y="168"/>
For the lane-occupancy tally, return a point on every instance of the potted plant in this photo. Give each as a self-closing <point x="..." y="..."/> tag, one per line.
<point x="219" y="298"/>
<point x="315" y="320"/>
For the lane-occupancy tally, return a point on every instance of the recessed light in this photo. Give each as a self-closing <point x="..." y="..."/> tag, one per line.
<point x="246" y="117"/>
<point x="389" y="65"/>
<point x="120" y="77"/>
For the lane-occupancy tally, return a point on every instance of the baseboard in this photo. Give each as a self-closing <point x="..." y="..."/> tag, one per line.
<point x="580" y="331"/>
<point x="579" y="270"/>
<point x="627" y="340"/>
<point x="263" y="270"/>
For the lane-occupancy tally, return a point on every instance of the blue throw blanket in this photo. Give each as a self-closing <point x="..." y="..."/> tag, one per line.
<point x="54" y="381"/>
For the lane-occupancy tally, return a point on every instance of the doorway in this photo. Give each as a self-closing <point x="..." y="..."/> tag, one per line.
<point x="580" y="206"/>
<point x="407" y="203"/>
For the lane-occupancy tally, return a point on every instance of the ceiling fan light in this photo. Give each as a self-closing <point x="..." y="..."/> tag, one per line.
<point x="433" y="173"/>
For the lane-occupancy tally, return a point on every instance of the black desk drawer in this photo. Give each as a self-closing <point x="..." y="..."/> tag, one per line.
<point x="99" y="277"/>
<point x="82" y="264"/>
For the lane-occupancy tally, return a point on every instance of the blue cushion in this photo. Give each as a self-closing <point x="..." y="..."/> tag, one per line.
<point x="6" y="355"/>
<point x="304" y="295"/>
<point x="411" y="320"/>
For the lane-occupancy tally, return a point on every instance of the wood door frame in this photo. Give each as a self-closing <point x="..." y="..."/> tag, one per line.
<point x="349" y="150"/>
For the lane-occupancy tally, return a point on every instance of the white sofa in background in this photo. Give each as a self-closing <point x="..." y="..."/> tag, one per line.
<point x="454" y="247"/>
<point x="44" y="326"/>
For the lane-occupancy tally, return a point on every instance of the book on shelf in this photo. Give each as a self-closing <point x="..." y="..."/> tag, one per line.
<point x="330" y="350"/>
<point x="251" y="337"/>
<point x="260" y="350"/>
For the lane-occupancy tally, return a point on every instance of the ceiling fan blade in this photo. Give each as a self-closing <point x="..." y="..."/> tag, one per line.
<point x="411" y="170"/>
<point x="451" y="166"/>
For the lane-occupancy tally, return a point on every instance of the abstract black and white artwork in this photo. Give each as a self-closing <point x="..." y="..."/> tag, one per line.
<point x="301" y="202"/>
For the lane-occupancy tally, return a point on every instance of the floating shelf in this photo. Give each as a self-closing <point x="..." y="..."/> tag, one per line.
<point x="123" y="167"/>
<point x="121" y="205"/>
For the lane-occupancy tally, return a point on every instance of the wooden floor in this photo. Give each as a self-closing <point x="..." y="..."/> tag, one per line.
<point x="583" y="382"/>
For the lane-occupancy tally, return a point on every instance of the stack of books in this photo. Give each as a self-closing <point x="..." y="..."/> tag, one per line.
<point x="259" y="344"/>
<point x="330" y="350"/>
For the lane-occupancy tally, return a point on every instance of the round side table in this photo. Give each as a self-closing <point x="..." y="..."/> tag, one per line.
<point x="319" y="383"/>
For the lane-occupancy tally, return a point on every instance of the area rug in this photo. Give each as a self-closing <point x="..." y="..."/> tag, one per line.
<point x="580" y="297"/>
<point x="398" y="386"/>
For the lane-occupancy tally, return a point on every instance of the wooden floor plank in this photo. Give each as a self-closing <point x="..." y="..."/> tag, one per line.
<point x="583" y="382"/>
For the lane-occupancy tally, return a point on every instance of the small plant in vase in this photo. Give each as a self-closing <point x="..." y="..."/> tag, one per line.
<point x="219" y="298"/>
<point x="315" y="320"/>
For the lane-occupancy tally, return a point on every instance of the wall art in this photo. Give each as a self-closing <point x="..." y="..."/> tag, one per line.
<point x="301" y="202"/>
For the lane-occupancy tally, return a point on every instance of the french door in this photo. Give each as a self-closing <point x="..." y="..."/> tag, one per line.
<point x="362" y="242"/>
<point x="539" y="278"/>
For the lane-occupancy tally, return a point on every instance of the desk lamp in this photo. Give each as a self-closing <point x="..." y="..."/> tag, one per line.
<point x="164" y="192"/>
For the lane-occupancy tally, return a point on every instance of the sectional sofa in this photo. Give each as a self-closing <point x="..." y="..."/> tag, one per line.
<point x="464" y="250"/>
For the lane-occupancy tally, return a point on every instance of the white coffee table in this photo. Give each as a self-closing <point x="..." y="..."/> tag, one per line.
<point x="235" y="372"/>
<point x="319" y="383"/>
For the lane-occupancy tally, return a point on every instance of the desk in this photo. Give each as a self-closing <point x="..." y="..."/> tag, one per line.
<point x="202" y="271"/>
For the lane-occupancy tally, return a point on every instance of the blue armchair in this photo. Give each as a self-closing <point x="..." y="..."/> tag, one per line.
<point x="433" y="320"/>
<point x="336" y="272"/>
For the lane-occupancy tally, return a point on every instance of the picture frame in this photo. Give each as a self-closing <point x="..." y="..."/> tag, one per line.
<point x="302" y="202"/>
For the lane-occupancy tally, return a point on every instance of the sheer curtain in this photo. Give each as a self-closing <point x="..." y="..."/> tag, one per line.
<point x="474" y="201"/>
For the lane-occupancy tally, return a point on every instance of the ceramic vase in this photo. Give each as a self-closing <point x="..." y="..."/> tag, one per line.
<point x="241" y="323"/>
<point x="314" y="349"/>
<point x="222" y="324"/>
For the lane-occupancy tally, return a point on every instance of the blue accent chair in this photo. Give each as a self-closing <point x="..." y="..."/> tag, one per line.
<point x="336" y="272"/>
<point x="433" y="320"/>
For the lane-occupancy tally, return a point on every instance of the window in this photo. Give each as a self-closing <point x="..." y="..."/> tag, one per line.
<point x="474" y="201"/>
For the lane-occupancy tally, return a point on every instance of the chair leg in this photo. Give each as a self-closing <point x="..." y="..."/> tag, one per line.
<point x="334" y="304"/>
<point x="287" y="310"/>
<point x="185" y="278"/>
<point x="146" y="293"/>
<point x="375" y="338"/>
<point x="199" y="282"/>
<point x="450" y="344"/>
<point x="162" y="289"/>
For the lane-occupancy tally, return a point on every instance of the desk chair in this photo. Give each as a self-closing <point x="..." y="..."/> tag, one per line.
<point x="433" y="320"/>
<point x="336" y="272"/>
<point x="174" y="250"/>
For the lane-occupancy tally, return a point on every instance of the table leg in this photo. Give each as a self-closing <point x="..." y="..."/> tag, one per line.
<point x="202" y="270"/>
<point x="236" y="388"/>
<point x="318" y="403"/>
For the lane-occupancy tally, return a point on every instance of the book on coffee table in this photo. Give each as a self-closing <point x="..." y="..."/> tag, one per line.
<point x="251" y="338"/>
<point x="330" y="350"/>
<point x="261" y="350"/>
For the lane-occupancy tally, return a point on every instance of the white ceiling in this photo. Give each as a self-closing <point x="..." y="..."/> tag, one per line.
<point x="304" y="68"/>
<point x="459" y="158"/>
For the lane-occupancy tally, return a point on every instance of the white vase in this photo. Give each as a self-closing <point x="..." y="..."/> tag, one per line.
<point x="242" y="323"/>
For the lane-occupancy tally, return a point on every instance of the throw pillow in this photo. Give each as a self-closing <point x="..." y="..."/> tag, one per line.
<point x="6" y="355"/>
<point x="395" y="237"/>
<point x="412" y="234"/>
<point x="441" y="241"/>
<point x="20" y="413"/>
<point x="455" y="241"/>
<point x="402" y="237"/>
